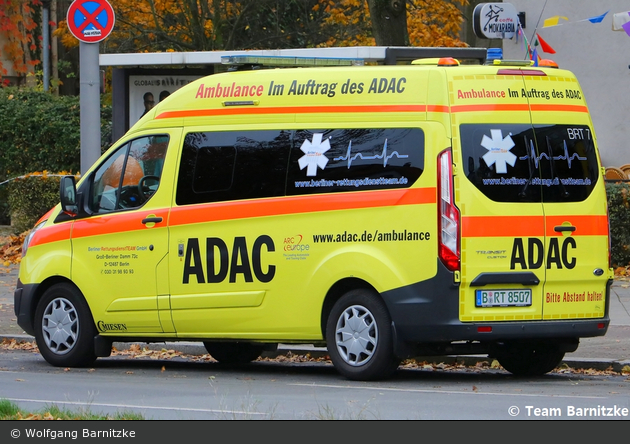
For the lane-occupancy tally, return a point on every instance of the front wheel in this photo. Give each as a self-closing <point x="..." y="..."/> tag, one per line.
<point x="64" y="328"/>
<point x="359" y="337"/>
<point x="525" y="359"/>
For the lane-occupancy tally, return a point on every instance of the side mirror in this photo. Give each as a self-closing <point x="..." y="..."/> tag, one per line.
<point x="68" y="195"/>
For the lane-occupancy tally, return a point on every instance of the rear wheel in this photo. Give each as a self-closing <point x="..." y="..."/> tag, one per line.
<point x="529" y="359"/>
<point x="64" y="328"/>
<point x="359" y="337"/>
<point x="234" y="353"/>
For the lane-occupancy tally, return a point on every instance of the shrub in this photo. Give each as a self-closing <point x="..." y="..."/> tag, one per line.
<point x="30" y="197"/>
<point x="39" y="132"/>
<point x="619" y="212"/>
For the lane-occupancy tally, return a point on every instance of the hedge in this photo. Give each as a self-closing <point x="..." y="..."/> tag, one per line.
<point x="40" y="131"/>
<point x="618" y="194"/>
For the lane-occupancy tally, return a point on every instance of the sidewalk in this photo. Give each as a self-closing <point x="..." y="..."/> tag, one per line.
<point x="609" y="351"/>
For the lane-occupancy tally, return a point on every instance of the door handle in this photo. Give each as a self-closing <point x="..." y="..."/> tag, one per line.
<point x="151" y="220"/>
<point x="561" y="228"/>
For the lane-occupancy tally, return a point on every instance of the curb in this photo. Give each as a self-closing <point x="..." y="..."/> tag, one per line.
<point x="194" y="348"/>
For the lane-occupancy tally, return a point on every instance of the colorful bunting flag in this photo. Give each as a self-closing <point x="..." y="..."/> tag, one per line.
<point x="597" y="19"/>
<point x="544" y="45"/>
<point x="535" y="56"/>
<point x="553" y="21"/>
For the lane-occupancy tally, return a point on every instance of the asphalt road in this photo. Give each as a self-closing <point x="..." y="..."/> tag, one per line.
<point x="611" y="350"/>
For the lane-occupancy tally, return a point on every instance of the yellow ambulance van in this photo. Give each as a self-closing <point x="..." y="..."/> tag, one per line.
<point x="384" y="212"/>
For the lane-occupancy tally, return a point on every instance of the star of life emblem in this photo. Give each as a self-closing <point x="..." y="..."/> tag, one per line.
<point x="498" y="151"/>
<point x="314" y="154"/>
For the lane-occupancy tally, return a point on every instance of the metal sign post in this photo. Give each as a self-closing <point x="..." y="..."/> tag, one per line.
<point x="90" y="21"/>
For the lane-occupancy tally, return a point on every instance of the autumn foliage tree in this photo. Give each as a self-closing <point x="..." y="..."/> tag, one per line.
<point x="393" y="22"/>
<point x="208" y="25"/>
<point x="19" y="35"/>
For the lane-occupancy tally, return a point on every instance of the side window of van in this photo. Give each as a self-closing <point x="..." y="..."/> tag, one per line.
<point x="223" y="166"/>
<point x="130" y="176"/>
<point x="338" y="160"/>
<point x="518" y="163"/>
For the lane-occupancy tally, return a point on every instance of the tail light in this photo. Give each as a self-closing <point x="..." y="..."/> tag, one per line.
<point x="449" y="239"/>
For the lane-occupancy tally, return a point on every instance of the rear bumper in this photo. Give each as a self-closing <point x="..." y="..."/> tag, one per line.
<point x="428" y="312"/>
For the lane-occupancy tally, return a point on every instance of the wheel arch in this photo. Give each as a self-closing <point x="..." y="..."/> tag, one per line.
<point x="335" y="292"/>
<point x="45" y="285"/>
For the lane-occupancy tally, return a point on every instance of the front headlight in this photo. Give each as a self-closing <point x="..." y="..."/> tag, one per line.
<point x="29" y="237"/>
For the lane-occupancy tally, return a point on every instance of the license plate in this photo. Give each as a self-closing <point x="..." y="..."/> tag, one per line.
<point x="503" y="298"/>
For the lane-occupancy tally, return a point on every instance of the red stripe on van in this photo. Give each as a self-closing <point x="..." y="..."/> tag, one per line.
<point x="192" y="214"/>
<point x="292" y="110"/>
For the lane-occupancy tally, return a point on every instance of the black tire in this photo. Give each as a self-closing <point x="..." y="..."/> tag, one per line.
<point x="234" y="353"/>
<point x="64" y="327"/>
<point x="525" y="359"/>
<point x="359" y="337"/>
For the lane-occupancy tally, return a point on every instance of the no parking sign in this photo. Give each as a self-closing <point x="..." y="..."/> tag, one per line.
<point x="90" y="21"/>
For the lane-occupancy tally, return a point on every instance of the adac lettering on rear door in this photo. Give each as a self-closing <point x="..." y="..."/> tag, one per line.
<point x="529" y="253"/>
<point x="235" y="261"/>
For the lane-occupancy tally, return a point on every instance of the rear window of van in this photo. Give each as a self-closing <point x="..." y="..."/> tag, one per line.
<point x="521" y="163"/>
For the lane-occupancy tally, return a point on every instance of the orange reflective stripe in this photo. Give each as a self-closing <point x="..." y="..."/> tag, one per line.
<point x="489" y="107"/>
<point x="368" y="109"/>
<point x="586" y="225"/>
<point x="116" y="223"/>
<point x="192" y="214"/>
<point x="53" y="233"/>
<point x="567" y="108"/>
<point x="532" y="226"/>
<point x="438" y="108"/>
<point x="502" y="226"/>
<point x="293" y="110"/>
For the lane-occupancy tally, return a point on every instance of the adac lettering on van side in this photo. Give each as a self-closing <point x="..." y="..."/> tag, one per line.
<point x="532" y="93"/>
<point x="223" y="262"/>
<point x="310" y="87"/>
<point x="529" y="253"/>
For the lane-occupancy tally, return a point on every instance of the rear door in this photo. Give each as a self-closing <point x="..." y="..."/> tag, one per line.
<point x="498" y="191"/>
<point x="574" y="199"/>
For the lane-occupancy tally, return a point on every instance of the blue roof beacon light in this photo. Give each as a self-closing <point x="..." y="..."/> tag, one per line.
<point x="494" y="54"/>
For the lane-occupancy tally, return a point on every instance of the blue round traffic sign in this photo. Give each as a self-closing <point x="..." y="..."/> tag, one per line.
<point x="90" y="21"/>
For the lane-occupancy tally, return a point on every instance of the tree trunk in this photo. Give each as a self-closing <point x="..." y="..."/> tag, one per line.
<point x="389" y="22"/>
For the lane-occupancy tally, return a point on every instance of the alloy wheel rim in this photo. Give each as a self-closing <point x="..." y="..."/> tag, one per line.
<point x="60" y="326"/>
<point x="356" y="335"/>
